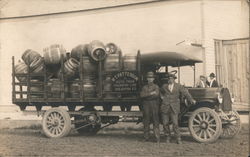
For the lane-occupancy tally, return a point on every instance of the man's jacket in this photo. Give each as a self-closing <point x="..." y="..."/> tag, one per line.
<point x="150" y="94"/>
<point x="201" y="84"/>
<point x="213" y="83"/>
<point x="172" y="99"/>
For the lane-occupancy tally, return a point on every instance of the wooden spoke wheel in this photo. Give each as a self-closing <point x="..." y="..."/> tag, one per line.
<point x="231" y="124"/>
<point x="90" y="125"/>
<point x="205" y="125"/>
<point x="56" y="123"/>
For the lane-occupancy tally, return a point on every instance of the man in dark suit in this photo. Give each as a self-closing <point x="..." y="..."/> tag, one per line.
<point x="150" y="95"/>
<point x="202" y="83"/>
<point x="170" y="107"/>
<point x="213" y="82"/>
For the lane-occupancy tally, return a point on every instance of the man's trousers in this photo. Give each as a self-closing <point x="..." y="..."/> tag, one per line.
<point x="151" y="112"/>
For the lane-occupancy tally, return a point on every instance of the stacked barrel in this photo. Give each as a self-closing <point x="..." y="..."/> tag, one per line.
<point x="58" y="65"/>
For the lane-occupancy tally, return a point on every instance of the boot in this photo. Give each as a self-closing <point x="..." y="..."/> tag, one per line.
<point x="179" y="140"/>
<point x="158" y="140"/>
<point x="146" y="139"/>
<point x="168" y="140"/>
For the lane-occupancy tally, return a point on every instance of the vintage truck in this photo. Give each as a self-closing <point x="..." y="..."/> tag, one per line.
<point x="210" y="118"/>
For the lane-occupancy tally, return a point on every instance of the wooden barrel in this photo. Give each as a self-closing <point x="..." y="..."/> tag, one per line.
<point x="54" y="85"/>
<point x="29" y="56"/>
<point x="74" y="89"/>
<point x="89" y="88"/>
<point x="21" y="68"/>
<point x="89" y="85"/>
<point x="52" y="54"/>
<point x="36" y="88"/>
<point x="96" y="50"/>
<point x="37" y="65"/>
<point x="54" y="88"/>
<point x="89" y="66"/>
<point x="112" y="62"/>
<point x="112" y="48"/>
<point x="130" y="62"/>
<point x="107" y="87"/>
<point x="80" y="50"/>
<point x="71" y="67"/>
<point x="90" y="78"/>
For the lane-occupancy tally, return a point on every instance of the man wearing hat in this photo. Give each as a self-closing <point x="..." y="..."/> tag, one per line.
<point x="202" y="83"/>
<point x="170" y="108"/>
<point x="213" y="82"/>
<point x="151" y="100"/>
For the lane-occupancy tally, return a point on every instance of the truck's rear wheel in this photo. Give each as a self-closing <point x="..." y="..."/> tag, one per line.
<point x="56" y="123"/>
<point x="205" y="125"/>
<point x="85" y="127"/>
<point x="231" y="124"/>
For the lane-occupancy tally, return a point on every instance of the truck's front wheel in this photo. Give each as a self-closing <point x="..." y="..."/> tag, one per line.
<point x="205" y="125"/>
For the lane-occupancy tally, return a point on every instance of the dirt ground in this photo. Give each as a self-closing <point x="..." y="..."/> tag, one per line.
<point x="115" y="141"/>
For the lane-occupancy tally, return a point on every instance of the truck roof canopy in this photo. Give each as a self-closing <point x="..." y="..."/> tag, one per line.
<point x="165" y="58"/>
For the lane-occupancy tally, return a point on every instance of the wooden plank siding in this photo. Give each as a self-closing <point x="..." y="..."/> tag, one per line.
<point x="232" y="67"/>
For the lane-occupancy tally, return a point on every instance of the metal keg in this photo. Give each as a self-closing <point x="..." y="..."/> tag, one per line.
<point x="112" y="48"/>
<point x="96" y="50"/>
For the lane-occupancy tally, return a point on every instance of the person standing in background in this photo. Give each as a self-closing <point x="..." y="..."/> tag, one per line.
<point x="213" y="82"/>
<point x="202" y="83"/>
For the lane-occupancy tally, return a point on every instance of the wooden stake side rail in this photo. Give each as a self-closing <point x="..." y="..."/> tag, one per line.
<point x="22" y="94"/>
<point x="98" y="101"/>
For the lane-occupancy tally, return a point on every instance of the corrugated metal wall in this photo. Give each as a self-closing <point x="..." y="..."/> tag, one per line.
<point x="232" y="67"/>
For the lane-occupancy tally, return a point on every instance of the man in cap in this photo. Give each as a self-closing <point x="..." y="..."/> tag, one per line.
<point x="151" y="100"/>
<point x="213" y="82"/>
<point x="170" y="108"/>
<point x="202" y="83"/>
